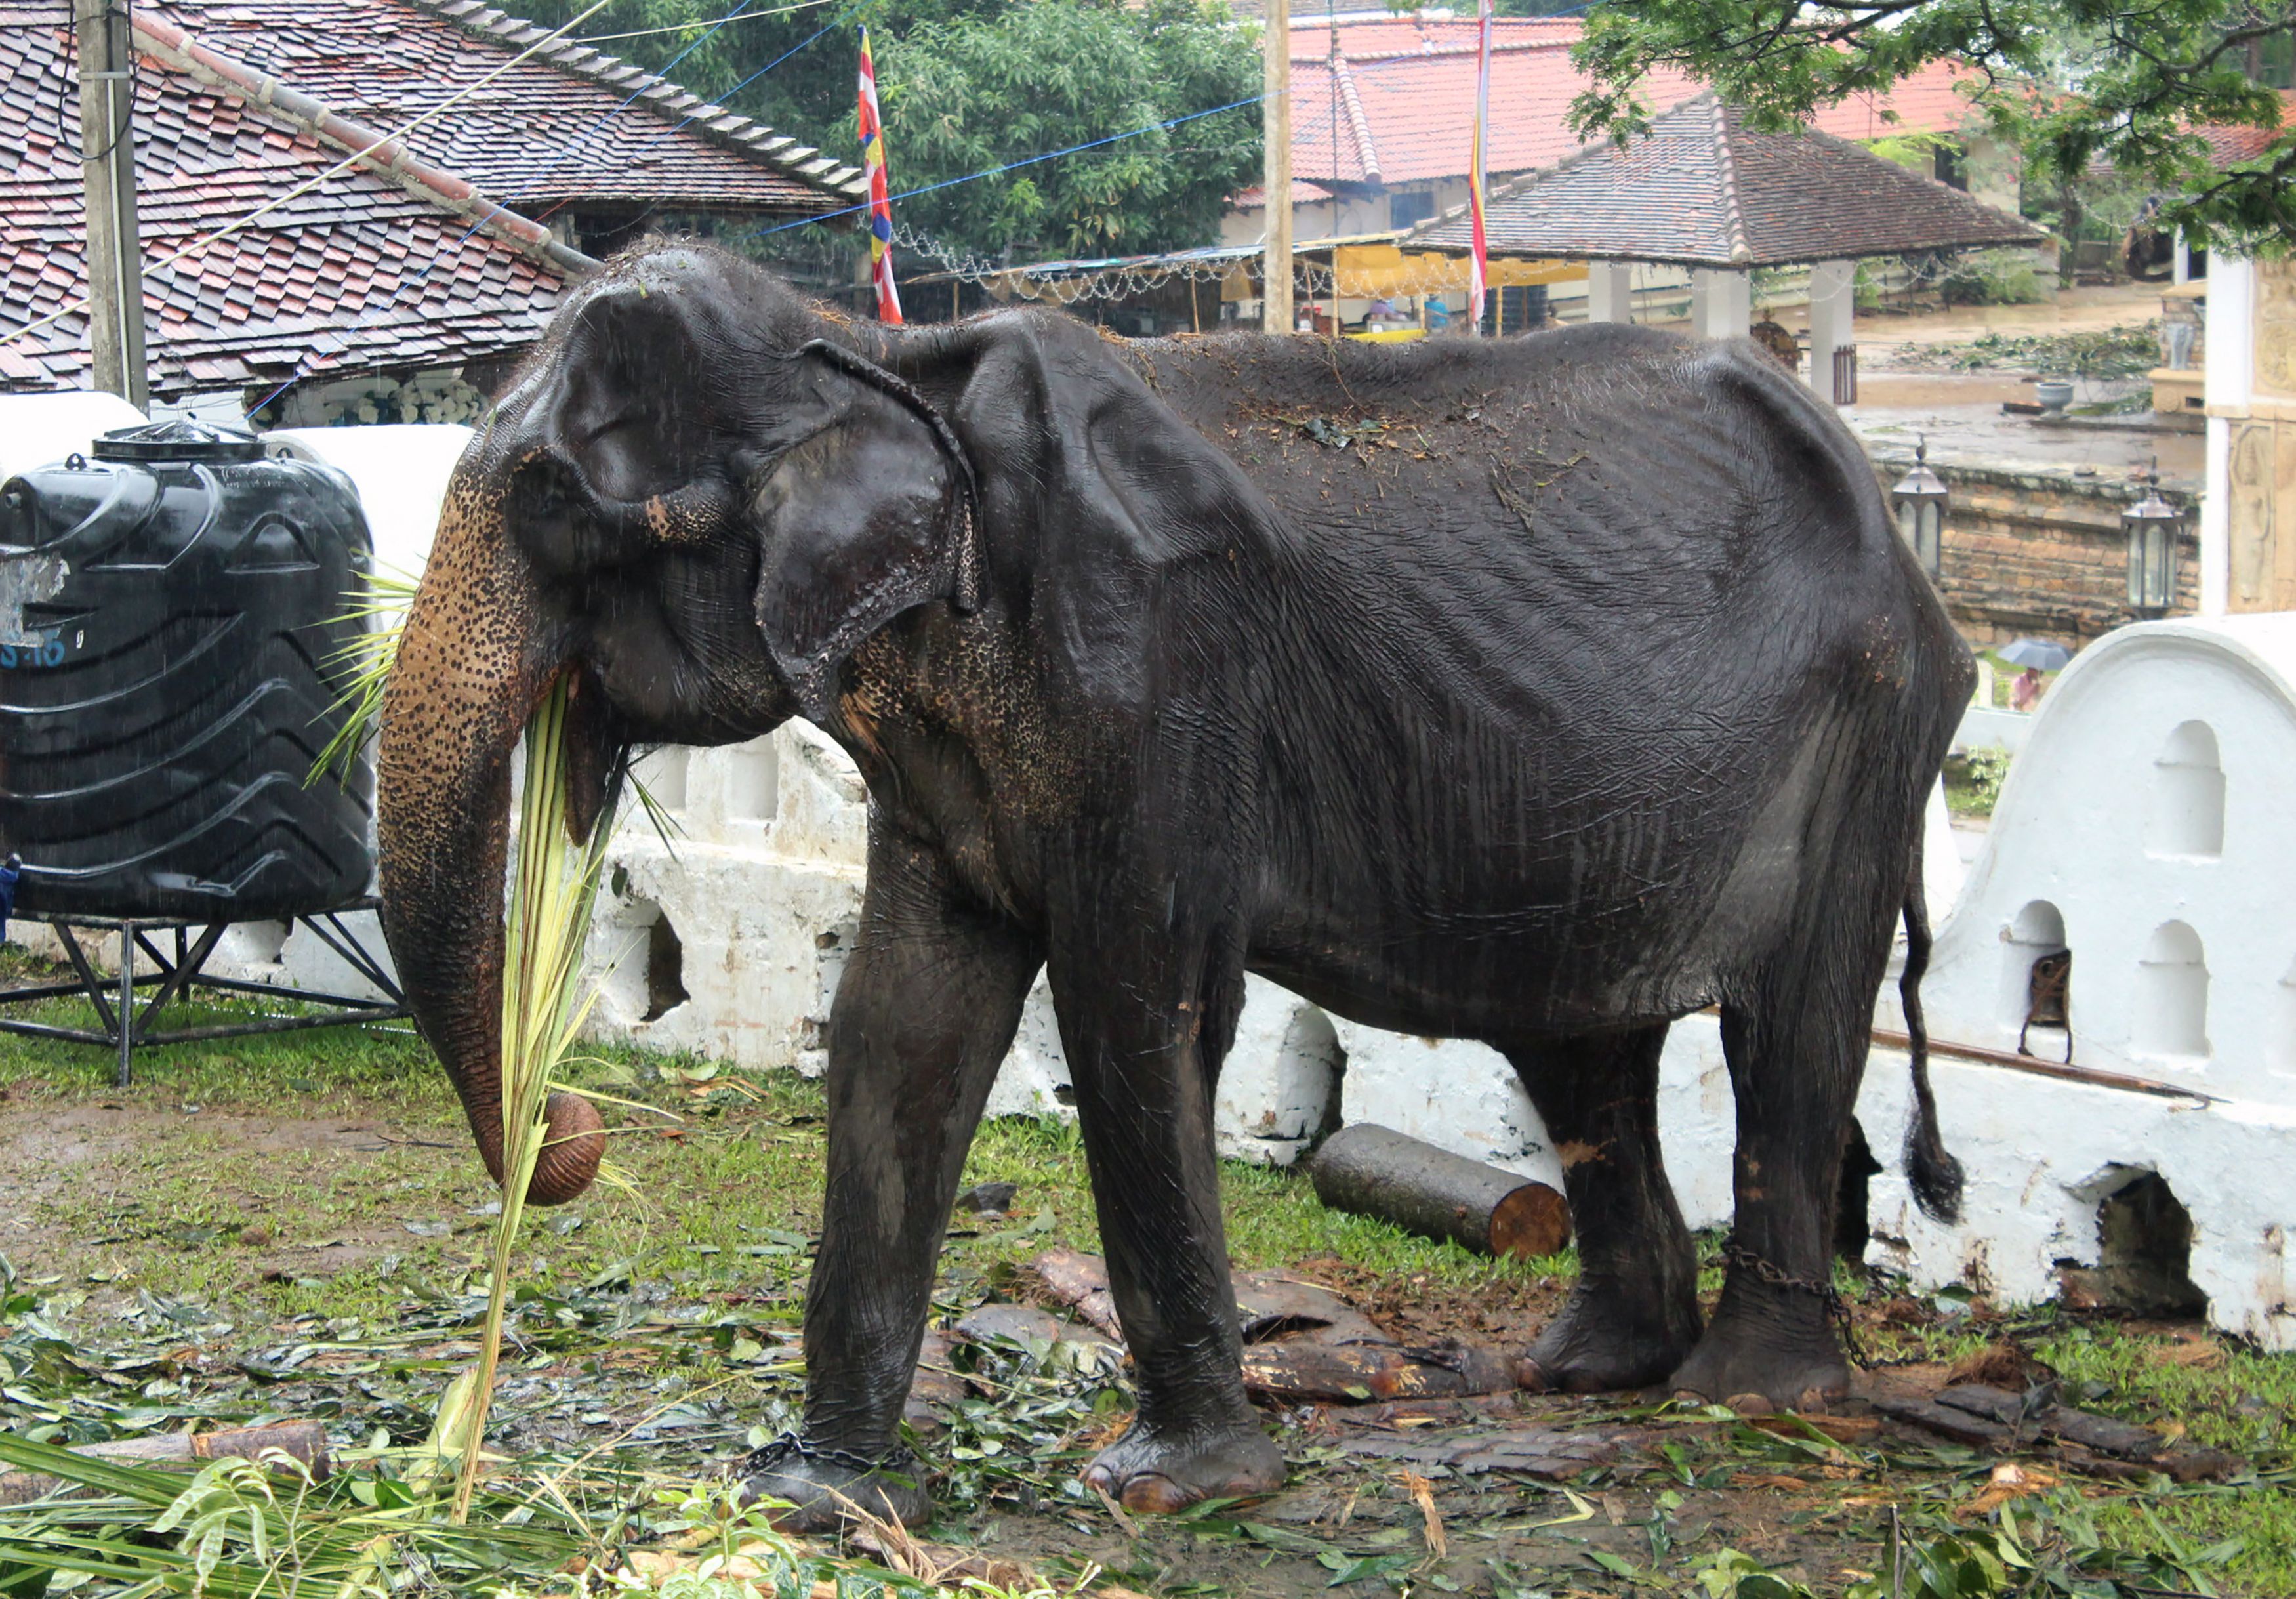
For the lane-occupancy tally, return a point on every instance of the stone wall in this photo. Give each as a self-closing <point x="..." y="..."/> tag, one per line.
<point x="2040" y="555"/>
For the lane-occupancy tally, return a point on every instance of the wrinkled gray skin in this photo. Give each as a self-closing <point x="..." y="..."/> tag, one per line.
<point x="1585" y="686"/>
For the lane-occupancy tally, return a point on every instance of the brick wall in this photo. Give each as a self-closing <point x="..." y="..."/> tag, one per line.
<point x="2041" y="554"/>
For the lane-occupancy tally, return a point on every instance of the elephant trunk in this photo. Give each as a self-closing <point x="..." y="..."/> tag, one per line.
<point x="472" y="662"/>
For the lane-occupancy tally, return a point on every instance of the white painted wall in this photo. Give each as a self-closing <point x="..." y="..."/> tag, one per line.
<point x="40" y="429"/>
<point x="2144" y="822"/>
<point x="2228" y="385"/>
<point x="400" y="471"/>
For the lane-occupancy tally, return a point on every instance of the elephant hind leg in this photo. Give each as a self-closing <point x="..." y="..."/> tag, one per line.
<point x="1633" y="1315"/>
<point x="1797" y="1051"/>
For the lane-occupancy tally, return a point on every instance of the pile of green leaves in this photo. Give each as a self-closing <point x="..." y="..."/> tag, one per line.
<point x="2127" y="351"/>
<point x="2046" y="1548"/>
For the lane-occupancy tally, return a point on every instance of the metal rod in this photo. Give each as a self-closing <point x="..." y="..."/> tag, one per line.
<point x="2039" y="1068"/>
<point x="175" y="979"/>
<point x="270" y="1024"/>
<point x="41" y="1029"/>
<point x="91" y="985"/>
<point x="184" y="974"/>
<point x="346" y="945"/>
<point x="126" y="1002"/>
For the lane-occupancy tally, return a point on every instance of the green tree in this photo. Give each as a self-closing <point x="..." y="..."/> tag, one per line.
<point x="970" y="85"/>
<point x="2072" y="82"/>
<point x="972" y="92"/>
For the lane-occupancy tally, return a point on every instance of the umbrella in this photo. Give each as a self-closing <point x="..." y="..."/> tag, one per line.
<point x="2036" y="652"/>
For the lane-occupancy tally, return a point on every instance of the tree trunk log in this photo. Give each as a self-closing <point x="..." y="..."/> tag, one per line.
<point x="1295" y="1372"/>
<point x="306" y="1441"/>
<point x="1377" y="1171"/>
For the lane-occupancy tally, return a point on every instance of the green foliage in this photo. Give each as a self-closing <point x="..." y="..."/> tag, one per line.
<point x="969" y="85"/>
<point x="374" y="613"/>
<point x="2072" y="84"/>
<point x="1972" y="780"/>
<point x="2129" y="350"/>
<point x="1991" y="277"/>
<point x="1915" y="148"/>
<point x="970" y="94"/>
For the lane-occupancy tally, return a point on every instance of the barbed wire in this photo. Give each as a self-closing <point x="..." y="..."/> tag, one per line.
<point x="1315" y="280"/>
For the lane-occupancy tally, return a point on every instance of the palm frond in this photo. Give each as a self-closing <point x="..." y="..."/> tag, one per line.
<point x="377" y="611"/>
<point x="543" y="1007"/>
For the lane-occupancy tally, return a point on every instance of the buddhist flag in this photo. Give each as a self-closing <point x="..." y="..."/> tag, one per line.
<point x="881" y="204"/>
<point x="1479" y="270"/>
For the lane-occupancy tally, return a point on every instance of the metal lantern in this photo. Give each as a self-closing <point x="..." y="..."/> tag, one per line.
<point x="1920" y="498"/>
<point x="2152" y="524"/>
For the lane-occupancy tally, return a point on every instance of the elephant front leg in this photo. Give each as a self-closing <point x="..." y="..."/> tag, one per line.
<point x="923" y="1015"/>
<point x="1137" y="1036"/>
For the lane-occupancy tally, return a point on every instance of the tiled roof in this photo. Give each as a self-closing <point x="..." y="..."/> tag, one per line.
<point x="1396" y="104"/>
<point x="389" y="268"/>
<point x="1703" y="189"/>
<point x="541" y="131"/>
<point x="2239" y="142"/>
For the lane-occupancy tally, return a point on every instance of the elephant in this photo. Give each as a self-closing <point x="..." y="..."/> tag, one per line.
<point x="1537" y="691"/>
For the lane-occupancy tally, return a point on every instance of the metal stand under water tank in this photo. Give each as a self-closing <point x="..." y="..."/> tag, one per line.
<point x="173" y="618"/>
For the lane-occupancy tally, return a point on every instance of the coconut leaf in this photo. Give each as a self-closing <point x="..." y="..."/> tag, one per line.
<point x="378" y="613"/>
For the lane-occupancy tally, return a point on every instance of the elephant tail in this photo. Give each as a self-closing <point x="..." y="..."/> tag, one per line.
<point x="1936" y="1177"/>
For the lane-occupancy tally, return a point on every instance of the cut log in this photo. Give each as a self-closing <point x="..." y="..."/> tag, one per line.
<point x="1371" y="1170"/>
<point x="305" y="1441"/>
<point x="1080" y="1282"/>
<point x="1298" y="1372"/>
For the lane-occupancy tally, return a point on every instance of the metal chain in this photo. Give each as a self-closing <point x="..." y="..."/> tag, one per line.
<point x="1837" y="1308"/>
<point x="767" y="1456"/>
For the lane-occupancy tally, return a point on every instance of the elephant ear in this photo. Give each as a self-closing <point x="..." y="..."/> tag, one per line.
<point x="618" y="444"/>
<point x="867" y="516"/>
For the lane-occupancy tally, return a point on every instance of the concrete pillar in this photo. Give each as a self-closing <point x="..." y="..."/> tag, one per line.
<point x="2180" y="259"/>
<point x="1833" y="308"/>
<point x="1721" y="303"/>
<point x="1610" y="292"/>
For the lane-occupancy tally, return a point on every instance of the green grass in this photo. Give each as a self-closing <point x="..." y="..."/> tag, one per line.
<point x="153" y="1189"/>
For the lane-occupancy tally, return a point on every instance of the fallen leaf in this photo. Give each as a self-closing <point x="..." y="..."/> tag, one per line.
<point x="1423" y="1494"/>
<point x="2008" y="1481"/>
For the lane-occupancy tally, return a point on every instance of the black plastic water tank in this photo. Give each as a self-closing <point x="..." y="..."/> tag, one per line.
<point x="170" y="613"/>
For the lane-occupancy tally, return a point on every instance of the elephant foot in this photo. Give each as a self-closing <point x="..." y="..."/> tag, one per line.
<point x="1741" y="1366"/>
<point x="1597" y="1346"/>
<point x="1159" y="1475"/>
<point x="824" y="1489"/>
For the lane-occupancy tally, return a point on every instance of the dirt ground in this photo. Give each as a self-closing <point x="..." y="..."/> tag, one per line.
<point x="295" y="1230"/>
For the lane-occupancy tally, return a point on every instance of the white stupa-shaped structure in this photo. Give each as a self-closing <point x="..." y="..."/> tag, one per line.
<point x="2125" y="949"/>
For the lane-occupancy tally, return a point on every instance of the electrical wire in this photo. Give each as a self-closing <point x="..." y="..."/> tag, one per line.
<point x="123" y="123"/>
<point x="713" y="24"/>
<point x="309" y="365"/>
<point x="1049" y="155"/>
<point x="352" y="160"/>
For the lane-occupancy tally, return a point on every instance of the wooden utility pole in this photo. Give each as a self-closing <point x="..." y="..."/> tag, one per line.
<point x="107" y="144"/>
<point x="1276" y="131"/>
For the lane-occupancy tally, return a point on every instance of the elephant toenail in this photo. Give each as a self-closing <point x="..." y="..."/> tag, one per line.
<point x="1152" y="1493"/>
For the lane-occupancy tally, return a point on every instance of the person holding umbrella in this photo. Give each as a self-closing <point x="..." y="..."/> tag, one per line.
<point x="2036" y="656"/>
